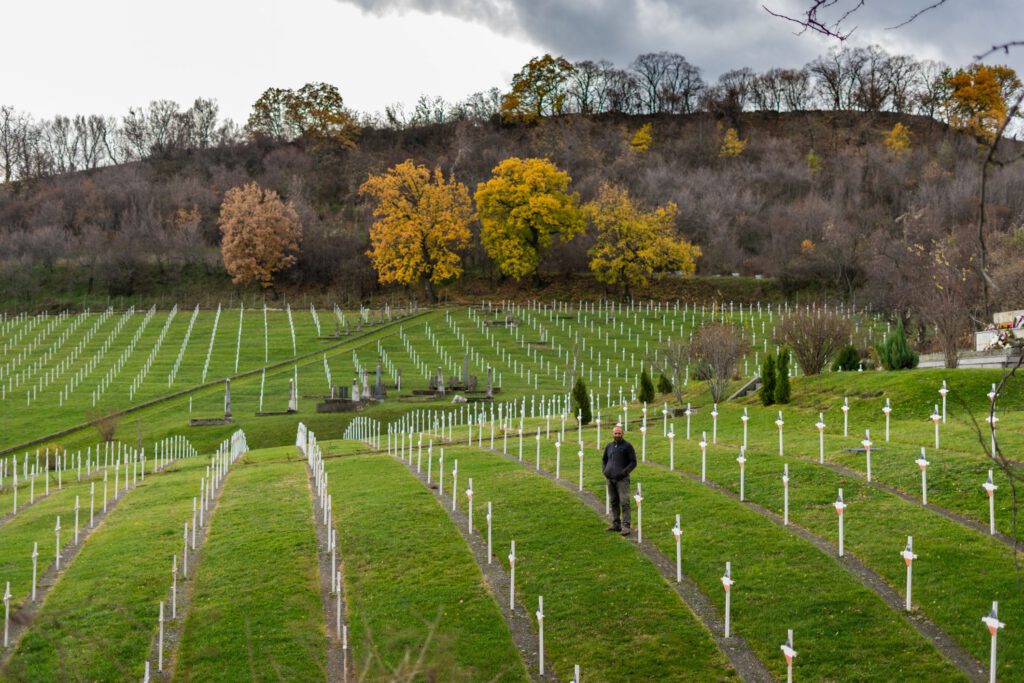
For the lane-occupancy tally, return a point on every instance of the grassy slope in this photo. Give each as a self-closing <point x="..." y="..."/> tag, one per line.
<point x="98" y="621"/>
<point x="256" y="612"/>
<point x="606" y="607"/>
<point x="406" y="568"/>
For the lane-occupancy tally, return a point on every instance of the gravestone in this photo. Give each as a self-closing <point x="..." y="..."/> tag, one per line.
<point x="293" y="400"/>
<point x="227" y="399"/>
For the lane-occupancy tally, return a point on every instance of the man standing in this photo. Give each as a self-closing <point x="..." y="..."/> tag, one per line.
<point x="618" y="461"/>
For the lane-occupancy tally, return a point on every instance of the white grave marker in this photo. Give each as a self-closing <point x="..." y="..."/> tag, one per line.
<point x="993" y="624"/>
<point x="840" y="506"/>
<point x="990" y="489"/>
<point x="909" y="557"/>
<point x="727" y="584"/>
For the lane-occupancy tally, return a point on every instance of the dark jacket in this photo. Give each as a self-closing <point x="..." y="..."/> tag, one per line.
<point x="619" y="460"/>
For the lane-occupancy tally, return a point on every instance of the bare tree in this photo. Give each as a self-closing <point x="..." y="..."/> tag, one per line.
<point x="815" y="336"/>
<point x="716" y="350"/>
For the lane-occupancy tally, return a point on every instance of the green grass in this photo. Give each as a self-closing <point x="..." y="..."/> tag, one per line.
<point x="406" y="571"/>
<point x="959" y="571"/>
<point x="782" y="581"/>
<point x="256" y="610"/>
<point x="606" y="607"/>
<point x="98" y="621"/>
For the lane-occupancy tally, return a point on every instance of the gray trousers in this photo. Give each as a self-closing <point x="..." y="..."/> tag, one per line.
<point x="618" y="496"/>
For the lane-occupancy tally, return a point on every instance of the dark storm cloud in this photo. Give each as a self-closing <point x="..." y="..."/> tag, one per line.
<point x="718" y="35"/>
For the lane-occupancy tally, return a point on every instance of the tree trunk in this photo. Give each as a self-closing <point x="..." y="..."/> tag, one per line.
<point x="428" y="289"/>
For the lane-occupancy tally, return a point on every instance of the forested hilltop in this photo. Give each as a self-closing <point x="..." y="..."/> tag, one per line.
<point x="865" y="188"/>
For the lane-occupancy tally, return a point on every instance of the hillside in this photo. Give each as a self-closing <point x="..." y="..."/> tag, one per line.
<point x="840" y="221"/>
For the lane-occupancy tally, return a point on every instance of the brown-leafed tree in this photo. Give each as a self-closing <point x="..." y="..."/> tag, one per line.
<point x="260" y="235"/>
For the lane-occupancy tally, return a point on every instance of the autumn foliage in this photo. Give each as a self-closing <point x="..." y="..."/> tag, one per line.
<point x="634" y="245"/>
<point x="422" y="226"/>
<point x="260" y="234"/>
<point x="523" y="209"/>
<point x="979" y="97"/>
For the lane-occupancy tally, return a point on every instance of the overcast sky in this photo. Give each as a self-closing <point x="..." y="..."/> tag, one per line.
<point x="103" y="56"/>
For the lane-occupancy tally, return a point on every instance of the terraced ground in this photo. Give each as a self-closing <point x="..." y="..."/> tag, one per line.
<point x="416" y="596"/>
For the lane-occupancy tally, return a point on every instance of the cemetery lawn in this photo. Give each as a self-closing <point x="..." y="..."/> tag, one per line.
<point x="99" y="619"/>
<point x="256" y="611"/>
<point x="35" y="524"/>
<point x="782" y="581"/>
<point x="606" y="607"/>
<point x="408" y="572"/>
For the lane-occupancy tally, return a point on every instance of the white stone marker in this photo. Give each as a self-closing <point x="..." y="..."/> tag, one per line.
<point x="936" y="418"/>
<point x="703" y="443"/>
<point x="489" y="551"/>
<point x="174" y="586"/>
<point x="160" y="641"/>
<point x="990" y="489"/>
<point x="672" y="449"/>
<point x="785" y="494"/>
<point x="35" y="568"/>
<point x="677" y="531"/>
<point x="558" y="459"/>
<point x="846" y="416"/>
<point x="184" y="554"/>
<point x="664" y="420"/>
<point x="540" y="633"/>
<point x="580" y="454"/>
<point x="714" y="423"/>
<point x="56" y="532"/>
<point x="993" y="624"/>
<point x="866" y="443"/>
<point x="643" y="442"/>
<point x="909" y="557"/>
<point x="840" y="506"/>
<point x="688" y="412"/>
<point x="639" y="515"/>
<point x="598" y="422"/>
<point x="727" y="584"/>
<point x="7" y="614"/>
<point x="923" y="464"/>
<point x="887" y="409"/>
<point x="942" y="392"/>
<point x="469" y="505"/>
<point x="779" y="423"/>
<point x="742" y="460"/>
<point x="820" y="424"/>
<point x="790" y="654"/>
<point x="576" y="673"/>
<point x="92" y="503"/>
<point x="512" y="578"/>
<point x="745" y="419"/>
<point x="440" y="474"/>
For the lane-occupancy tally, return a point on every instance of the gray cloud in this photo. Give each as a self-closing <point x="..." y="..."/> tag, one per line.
<point x="718" y="35"/>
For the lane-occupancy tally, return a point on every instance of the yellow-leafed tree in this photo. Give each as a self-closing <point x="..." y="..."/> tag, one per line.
<point x="634" y="245"/>
<point x="732" y="145"/>
<point x="422" y="226"/>
<point x="641" y="140"/>
<point x="898" y="140"/>
<point x="538" y="90"/>
<point x="523" y="208"/>
<point x="260" y="234"/>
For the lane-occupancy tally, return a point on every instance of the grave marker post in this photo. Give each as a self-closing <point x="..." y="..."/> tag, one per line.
<point x="677" y="531"/>
<point x="727" y="584"/>
<point x="909" y="557"/>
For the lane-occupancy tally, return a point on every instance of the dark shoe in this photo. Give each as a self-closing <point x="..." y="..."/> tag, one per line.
<point x="625" y="531"/>
<point x="614" y="527"/>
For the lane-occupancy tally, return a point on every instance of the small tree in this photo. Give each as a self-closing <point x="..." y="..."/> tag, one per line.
<point x="105" y="423"/>
<point x="716" y="349"/>
<point x="767" y="390"/>
<point x="814" y="337"/>
<point x="847" y="360"/>
<point x="581" y="401"/>
<point x="664" y="384"/>
<point x="677" y="359"/>
<point x="260" y="234"/>
<point x="895" y="353"/>
<point x="782" y="391"/>
<point x="646" y="394"/>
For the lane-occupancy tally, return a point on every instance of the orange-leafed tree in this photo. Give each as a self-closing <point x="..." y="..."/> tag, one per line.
<point x="539" y="89"/>
<point x="260" y="235"/>
<point x="422" y="226"/>
<point x="980" y="96"/>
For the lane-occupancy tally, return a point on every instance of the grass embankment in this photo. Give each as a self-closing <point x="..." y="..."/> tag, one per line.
<point x="606" y="607"/>
<point x="407" y="572"/>
<point x="256" y="610"/>
<point x="35" y="524"/>
<point x="98" y="621"/>
<point x="782" y="581"/>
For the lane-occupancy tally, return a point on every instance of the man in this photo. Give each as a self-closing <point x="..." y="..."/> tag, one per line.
<point x="618" y="461"/>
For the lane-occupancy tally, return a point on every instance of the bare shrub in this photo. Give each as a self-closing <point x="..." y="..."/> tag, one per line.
<point x="814" y="336"/>
<point x="105" y="424"/>
<point x="716" y="350"/>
